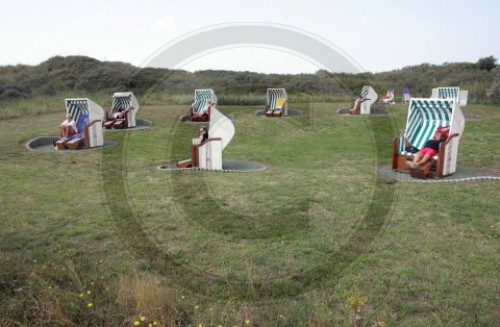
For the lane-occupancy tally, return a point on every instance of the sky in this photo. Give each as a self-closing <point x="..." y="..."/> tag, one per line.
<point x="378" y="35"/>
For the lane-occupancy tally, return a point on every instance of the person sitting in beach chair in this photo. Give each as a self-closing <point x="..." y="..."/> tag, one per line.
<point x="406" y="95"/>
<point x="68" y="127"/>
<point x="388" y="98"/>
<point x="117" y="119"/>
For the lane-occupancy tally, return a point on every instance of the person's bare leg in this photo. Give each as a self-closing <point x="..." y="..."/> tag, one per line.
<point x="64" y="131"/>
<point x="423" y="159"/>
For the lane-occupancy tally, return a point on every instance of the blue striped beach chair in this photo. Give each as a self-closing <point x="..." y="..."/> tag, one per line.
<point x="276" y="102"/>
<point x="127" y="102"/>
<point x="424" y="117"/>
<point x="204" y="100"/>
<point x="88" y="116"/>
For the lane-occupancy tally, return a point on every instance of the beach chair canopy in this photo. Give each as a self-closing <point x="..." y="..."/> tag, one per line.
<point x="201" y="99"/>
<point x="221" y="127"/>
<point x="451" y="92"/>
<point x="125" y="100"/>
<point x="84" y="106"/>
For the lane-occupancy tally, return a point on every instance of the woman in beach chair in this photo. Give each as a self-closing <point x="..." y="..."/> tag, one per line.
<point x="428" y="147"/>
<point x="388" y="98"/>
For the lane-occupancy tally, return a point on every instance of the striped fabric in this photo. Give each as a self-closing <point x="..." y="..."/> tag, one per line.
<point x="448" y="93"/>
<point x="121" y="101"/>
<point x="201" y="99"/>
<point x="77" y="107"/>
<point x="272" y="98"/>
<point x="364" y="92"/>
<point x="424" y="117"/>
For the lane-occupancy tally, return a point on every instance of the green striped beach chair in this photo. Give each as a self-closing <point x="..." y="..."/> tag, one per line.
<point x="424" y="117"/>
<point x="204" y="100"/>
<point x="130" y="106"/>
<point x="276" y="102"/>
<point x="451" y="92"/>
<point x="88" y="116"/>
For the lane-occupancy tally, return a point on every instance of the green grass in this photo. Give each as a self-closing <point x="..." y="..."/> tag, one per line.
<point x="283" y="247"/>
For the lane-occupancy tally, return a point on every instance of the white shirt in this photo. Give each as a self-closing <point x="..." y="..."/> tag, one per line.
<point x="71" y="124"/>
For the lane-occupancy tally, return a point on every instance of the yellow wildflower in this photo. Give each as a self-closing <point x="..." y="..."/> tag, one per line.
<point x="90" y="305"/>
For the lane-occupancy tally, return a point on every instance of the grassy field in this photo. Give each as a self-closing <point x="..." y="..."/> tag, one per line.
<point x="103" y="238"/>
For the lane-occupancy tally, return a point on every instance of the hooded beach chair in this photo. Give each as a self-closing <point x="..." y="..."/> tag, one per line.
<point x="276" y="102"/>
<point x="451" y="93"/>
<point x="88" y="116"/>
<point x="362" y="105"/>
<point x="406" y="95"/>
<point x="127" y="103"/>
<point x="425" y="116"/>
<point x="389" y="98"/>
<point x="204" y="100"/>
<point x="208" y="154"/>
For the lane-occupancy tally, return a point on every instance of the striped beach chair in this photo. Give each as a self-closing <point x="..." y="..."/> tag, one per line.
<point x="88" y="116"/>
<point x="127" y="102"/>
<point x="276" y="102"/>
<point x="424" y="117"/>
<point x="204" y="100"/>
<point x="362" y="105"/>
<point x="451" y="93"/>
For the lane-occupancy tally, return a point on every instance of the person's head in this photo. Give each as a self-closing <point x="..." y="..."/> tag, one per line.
<point x="203" y="129"/>
<point x="440" y="136"/>
<point x="441" y="133"/>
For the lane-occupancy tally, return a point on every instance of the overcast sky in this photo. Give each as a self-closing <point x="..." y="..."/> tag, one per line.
<point x="380" y="35"/>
